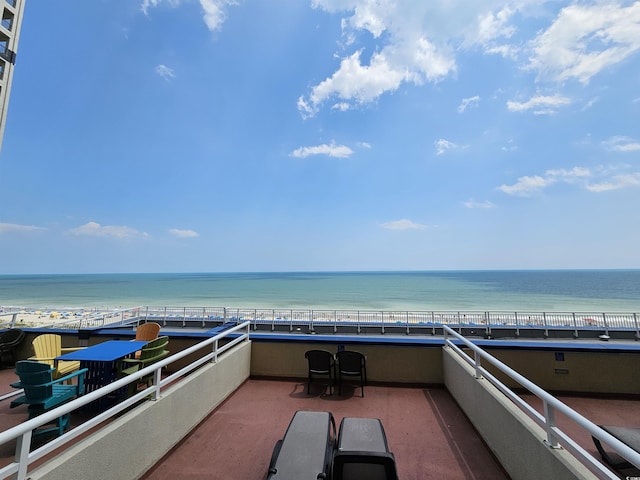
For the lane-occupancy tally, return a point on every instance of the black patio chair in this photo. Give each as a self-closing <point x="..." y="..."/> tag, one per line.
<point x="321" y="363"/>
<point x="363" y="451"/>
<point x="306" y="449"/>
<point x="351" y="364"/>
<point x="9" y="341"/>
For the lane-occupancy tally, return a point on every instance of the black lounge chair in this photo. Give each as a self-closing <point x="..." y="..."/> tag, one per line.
<point x="321" y="363"/>
<point x="306" y="449"/>
<point x="9" y="341"/>
<point x="628" y="436"/>
<point x="351" y="364"/>
<point x="363" y="452"/>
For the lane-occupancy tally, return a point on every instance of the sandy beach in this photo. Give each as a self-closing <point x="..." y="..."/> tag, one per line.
<point x="38" y="318"/>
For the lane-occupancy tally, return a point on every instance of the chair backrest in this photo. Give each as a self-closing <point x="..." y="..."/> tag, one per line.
<point x="148" y="331"/>
<point x="11" y="338"/>
<point x="48" y="345"/>
<point x="35" y="379"/>
<point x="319" y="360"/>
<point x="154" y="350"/>
<point x="349" y="465"/>
<point x="350" y="361"/>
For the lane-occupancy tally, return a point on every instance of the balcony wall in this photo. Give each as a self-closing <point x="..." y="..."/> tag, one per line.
<point x="413" y="364"/>
<point x="506" y="429"/>
<point x="610" y="371"/>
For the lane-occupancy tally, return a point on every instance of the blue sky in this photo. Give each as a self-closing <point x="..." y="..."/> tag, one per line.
<point x="185" y="135"/>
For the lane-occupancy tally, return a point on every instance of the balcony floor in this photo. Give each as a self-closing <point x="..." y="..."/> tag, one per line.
<point x="427" y="432"/>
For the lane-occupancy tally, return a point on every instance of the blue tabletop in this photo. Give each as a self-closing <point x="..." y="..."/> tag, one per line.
<point x="104" y="352"/>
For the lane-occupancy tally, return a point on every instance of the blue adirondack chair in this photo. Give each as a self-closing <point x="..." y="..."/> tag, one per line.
<point x="42" y="392"/>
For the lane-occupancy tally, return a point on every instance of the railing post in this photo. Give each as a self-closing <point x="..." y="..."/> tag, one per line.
<point x="606" y="326"/>
<point x="478" y="364"/>
<point x="215" y="351"/>
<point x="157" y="376"/>
<point x="550" y="423"/>
<point x="22" y="454"/>
<point x="635" y="323"/>
<point x="546" y="327"/>
<point x="575" y="325"/>
<point x="487" y="321"/>
<point x="407" y="317"/>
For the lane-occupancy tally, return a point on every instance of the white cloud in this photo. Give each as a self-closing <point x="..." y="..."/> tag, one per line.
<point x="527" y="185"/>
<point x="214" y="11"/>
<point x="184" y="233"/>
<point x="17" y="228"/>
<point x="403" y="224"/>
<point x="354" y="83"/>
<point x="509" y="147"/>
<point x="147" y="4"/>
<point x="585" y="39"/>
<point x="599" y="180"/>
<point x="468" y="103"/>
<point x="621" y="144"/>
<point x="165" y="72"/>
<point x="616" y="182"/>
<point x="492" y="25"/>
<point x="338" y="151"/>
<point x="541" y="104"/>
<point x="442" y="146"/>
<point x="416" y="41"/>
<point x="473" y="204"/>
<point x="94" y="229"/>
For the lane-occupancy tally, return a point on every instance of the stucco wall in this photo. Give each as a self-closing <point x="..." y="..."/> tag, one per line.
<point x="574" y="371"/>
<point x="385" y="363"/>
<point x="516" y="441"/>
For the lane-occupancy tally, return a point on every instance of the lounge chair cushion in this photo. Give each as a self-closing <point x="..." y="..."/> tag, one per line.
<point x="305" y="451"/>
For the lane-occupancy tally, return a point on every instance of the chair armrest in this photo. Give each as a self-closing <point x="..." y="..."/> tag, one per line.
<point x="72" y="349"/>
<point x="42" y="359"/>
<point x="82" y="371"/>
<point x="132" y="360"/>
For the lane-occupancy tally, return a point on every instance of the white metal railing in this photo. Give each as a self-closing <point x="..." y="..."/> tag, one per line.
<point x="555" y="437"/>
<point x="23" y="432"/>
<point x="74" y="318"/>
<point x="483" y="321"/>
<point x="488" y="321"/>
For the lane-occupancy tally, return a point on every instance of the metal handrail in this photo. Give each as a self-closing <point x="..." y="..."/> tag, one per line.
<point x="23" y="432"/>
<point x="555" y="437"/>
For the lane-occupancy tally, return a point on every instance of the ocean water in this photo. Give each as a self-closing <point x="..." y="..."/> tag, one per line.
<point x="550" y="291"/>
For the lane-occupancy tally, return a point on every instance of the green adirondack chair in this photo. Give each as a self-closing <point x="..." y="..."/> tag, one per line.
<point x="150" y="354"/>
<point x="42" y="392"/>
